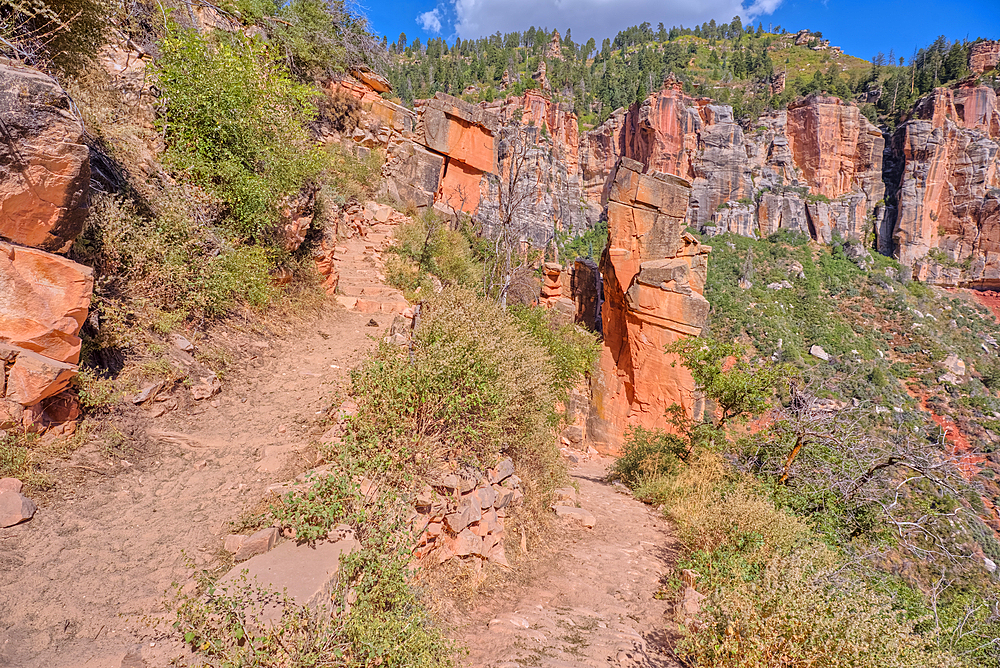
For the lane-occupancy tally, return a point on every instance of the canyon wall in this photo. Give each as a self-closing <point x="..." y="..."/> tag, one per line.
<point x="820" y="168"/>
<point x="44" y="297"/>
<point x="946" y="182"/>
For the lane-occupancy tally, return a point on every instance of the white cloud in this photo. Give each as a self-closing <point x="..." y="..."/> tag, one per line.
<point x="430" y="21"/>
<point x="595" y="18"/>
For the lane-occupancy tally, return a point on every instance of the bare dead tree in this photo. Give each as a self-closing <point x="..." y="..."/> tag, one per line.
<point x="820" y="446"/>
<point x="511" y="194"/>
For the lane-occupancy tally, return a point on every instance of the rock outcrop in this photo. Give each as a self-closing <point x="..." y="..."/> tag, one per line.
<point x="947" y="188"/>
<point x="654" y="276"/>
<point x="44" y="164"/>
<point x="44" y="297"/>
<point x="984" y="56"/>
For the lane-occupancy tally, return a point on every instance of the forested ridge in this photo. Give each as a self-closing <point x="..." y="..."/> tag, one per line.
<point x="737" y="64"/>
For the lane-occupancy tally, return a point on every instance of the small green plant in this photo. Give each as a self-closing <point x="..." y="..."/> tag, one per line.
<point x="726" y="374"/>
<point x="573" y="351"/>
<point x="95" y="393"/>
<point x="322" y="503"/>
<point x="648" y="454"/>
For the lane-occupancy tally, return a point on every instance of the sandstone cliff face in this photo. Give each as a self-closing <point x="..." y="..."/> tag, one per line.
<point x="654" y="277"/>
<point x="948" y="186"/>
<point x="44" y="298"/>
<point x="984" y="56"/>
<point x="815" y="168"/>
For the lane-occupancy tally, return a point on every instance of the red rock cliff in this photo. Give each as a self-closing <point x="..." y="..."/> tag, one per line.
<point x="654" y="277"/>
<point x="946" y="225"/>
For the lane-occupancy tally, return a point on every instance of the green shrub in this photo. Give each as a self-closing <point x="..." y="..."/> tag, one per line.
<point x="473" y="387"/>
<point x="242" y="274"/>
<point x="95" y="393"/>
<point x="648" y="454"/>
<point x="424" y="247"/>
<point x="321" y="503"/>
<point x="573" y="351"/>
<point x="235" y="123"/>
<point x="477" y="386"/>
<point x="590" y="244"/>
<point x="159" y="268"/>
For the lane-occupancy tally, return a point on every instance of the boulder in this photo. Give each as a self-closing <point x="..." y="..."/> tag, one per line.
<point x="469" y="511"/>
<point x="33" y="378"/>
<point x="15" y="508"/>
<point x="296" y="216"/>
<point x="44" y="300"/>
<point x="412" y="173"/>
<point x="817" y="351"/>
<point x="257" y="543"/>
<point x="44" y="164"/>
<point x="954" y="365"/>
<point x="10" y="485"/>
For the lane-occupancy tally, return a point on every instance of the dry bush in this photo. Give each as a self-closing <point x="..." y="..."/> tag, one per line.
<point x="803" y="612"/>
<point x="339" y="112"/>
<point x="474" y="387"/>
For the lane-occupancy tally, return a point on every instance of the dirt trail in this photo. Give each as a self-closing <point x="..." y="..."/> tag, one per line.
<point x="592" y="603"/>
<point x="76" y="579"/>
<point x="79" y="582"/>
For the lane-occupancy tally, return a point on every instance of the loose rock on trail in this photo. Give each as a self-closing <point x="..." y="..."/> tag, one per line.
<point x="592" y="601"/>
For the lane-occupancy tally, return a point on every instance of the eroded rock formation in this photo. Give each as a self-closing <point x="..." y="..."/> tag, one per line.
<point x="44" y="297"/>
<point x="654" y="276"/>
<point x="947" y="222"/>
<point x="984" y="56"/>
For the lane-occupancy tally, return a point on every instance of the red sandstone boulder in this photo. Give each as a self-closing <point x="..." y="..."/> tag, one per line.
<point x="43" y="302"/>
<point x="15" y="508"/>
<point x="44" y="164"/>
<point x="33" y="378"/>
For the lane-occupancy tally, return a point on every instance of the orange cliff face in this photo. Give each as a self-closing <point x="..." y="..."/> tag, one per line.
<point x="947" y="188"/>
<point x="984" y="56"/>
<point x="836" y="148"/>
<point x="654" y="277"/>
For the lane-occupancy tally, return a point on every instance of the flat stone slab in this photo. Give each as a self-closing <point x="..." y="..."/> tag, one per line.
<point x="306" y="573"/>
<point x="584" y="517"/>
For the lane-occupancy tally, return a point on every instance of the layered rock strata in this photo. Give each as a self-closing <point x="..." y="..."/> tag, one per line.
<point x="946" y="183"/>
<point x="654" y="278"/>
<point x="44" y="297"/>
<point x="984" y="56"/>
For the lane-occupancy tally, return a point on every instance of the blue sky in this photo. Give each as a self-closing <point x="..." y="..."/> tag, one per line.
<point x="860" y="27"/>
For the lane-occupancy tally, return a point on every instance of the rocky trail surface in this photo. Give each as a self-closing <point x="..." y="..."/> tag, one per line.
<point x="84" y="582"/>
<point x="81" y="582"/>
<point x="78" y="579"/>
<point x="592" y="601"/>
